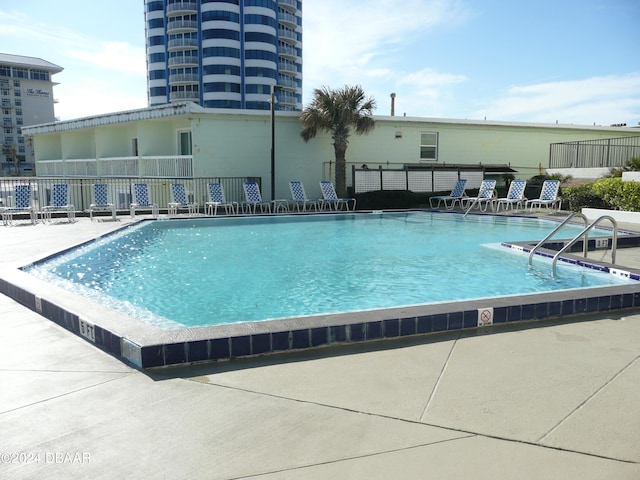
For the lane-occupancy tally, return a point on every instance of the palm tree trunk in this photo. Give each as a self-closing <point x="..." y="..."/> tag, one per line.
<point x="341" y="168"/>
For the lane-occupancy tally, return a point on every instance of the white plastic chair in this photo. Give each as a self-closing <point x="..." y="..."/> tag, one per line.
<point x="299" y="197"/>
<point x="217" y="199"/>
<point x="142" y="200"/>
<point x="515" y="196"/>
<point x="180" y="201"/>
<point x="330" y="198"/>
<point x="456" y="195"/>
<point x="60" y="203"/>
<point x="548" y="196"/>
<point x="21" y="204"/>
<point x="101" y="201"/>
<point x="253" y="199"/>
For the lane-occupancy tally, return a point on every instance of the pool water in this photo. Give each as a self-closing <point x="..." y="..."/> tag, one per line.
<point x="201" y="272"/>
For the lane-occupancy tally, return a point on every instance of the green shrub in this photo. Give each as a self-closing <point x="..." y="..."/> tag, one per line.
<point x="608" y="193"/>
<point x="576" y="198"/>
<point x="390" y="199"/>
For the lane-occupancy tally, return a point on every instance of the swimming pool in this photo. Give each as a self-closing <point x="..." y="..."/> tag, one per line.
<point x="203" y="272"/>
<point x="146" y="345"/>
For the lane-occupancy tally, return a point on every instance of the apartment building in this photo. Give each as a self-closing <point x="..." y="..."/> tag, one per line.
<point x="231" y="54"/>
<point x="26" y="98"/>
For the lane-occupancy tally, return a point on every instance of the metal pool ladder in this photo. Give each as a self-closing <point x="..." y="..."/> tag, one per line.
<point x="584" y="233"/>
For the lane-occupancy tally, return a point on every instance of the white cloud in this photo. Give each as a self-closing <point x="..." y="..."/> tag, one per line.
<point x="87" y="96"/>
<point x="344" y="42"/>
<point x="600" y="100"/>
<point x="118" y="56"/>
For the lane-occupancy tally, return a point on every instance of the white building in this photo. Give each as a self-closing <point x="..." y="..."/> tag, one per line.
<point x="26" y="97"/>
<point x="224" y="53"/>
<point x="188" y="141"/>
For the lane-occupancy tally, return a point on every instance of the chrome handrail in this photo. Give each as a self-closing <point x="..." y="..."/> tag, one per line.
<point x="585" y="232"/>
<point x="566" y="220"/>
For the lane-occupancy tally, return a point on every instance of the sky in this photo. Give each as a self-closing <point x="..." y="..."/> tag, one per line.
<point x="548" y="61"/>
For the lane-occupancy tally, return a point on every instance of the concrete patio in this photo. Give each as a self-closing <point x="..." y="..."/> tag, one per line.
<point x="544" y="400"/>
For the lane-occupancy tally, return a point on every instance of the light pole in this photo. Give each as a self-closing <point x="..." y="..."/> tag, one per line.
<point x="273" y="141"/>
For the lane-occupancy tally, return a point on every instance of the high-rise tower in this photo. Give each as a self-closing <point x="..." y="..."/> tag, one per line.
<point x="26" y="93"/>
<point x="224" y="53"/>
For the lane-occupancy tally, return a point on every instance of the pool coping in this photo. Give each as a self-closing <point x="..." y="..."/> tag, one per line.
<point x="146" y="346"/>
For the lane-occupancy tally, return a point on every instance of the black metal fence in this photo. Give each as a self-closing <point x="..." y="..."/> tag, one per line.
<point x="119" y="190"/>
<point x="608" y="152"/>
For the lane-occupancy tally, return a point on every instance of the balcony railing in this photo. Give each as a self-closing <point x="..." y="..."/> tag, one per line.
<point x="183" y="43"/>
<point x="182" y="7"/>
<point x="288" y="19"/>
<point x="181" y="25"/>
<point x="182" y="96"/>
<point x="284" y="34"/>
<point x="288" y="67"/>
<point x="287" y="51"/>
<point x="289" y="4"/>
<point x="178" y="61"/>
<point x="184" y="78"/>
<point x="178" y="166"/>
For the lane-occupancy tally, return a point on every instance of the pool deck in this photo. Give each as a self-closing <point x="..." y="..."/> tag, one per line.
<point x="550" y="399"/>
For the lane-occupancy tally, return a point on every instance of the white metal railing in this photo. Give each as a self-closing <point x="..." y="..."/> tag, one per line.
<point x="175" y="166"/>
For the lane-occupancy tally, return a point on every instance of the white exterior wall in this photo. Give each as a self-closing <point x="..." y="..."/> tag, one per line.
<point x="238" y="144"/>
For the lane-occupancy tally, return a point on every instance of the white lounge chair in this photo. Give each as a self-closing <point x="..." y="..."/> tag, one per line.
<point x="217" y="199"/>
<point x="253" y="199"/>
<point x="330" y="198"/>
<point x="101" y="201"/>
<point x="180" y="201"/>
<point x="515" y="196"/>
<point x="548" y="196"/>
<point x="59" y="203"/>
<point x="485" y="197"/>
<point x="299" y="197"/>
<point x="142" y="200"/>
<point x="456" y="195"/>
<point x="21" y="204"/>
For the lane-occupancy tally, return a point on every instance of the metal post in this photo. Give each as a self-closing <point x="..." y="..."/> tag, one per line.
<point x="273" y="142"/>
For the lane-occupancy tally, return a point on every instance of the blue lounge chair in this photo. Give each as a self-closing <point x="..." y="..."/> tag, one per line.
<point x="330" y="198"/>
<point x="217" y="199"/>
<point x="253" y="199"/>
<point x="548" y="196"/>
<point x="456" y="196"/>
<point x="299" y="197"/>
<point x="515" y="196"/>
<point x="101" y="201"/>
<point x="142" y="200"/>
<point x="180" y="201"/>
<point x="21" y="204"/>
<point x="59" y="203"/>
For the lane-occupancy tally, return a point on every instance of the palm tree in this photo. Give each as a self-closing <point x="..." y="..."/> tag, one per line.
<point x="11" y="152"/>
<point x="338" y="112"/>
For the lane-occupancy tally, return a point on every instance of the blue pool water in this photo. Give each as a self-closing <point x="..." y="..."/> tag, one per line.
<point x="201" y="272"/>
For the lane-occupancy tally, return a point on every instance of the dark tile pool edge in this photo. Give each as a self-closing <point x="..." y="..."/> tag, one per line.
<point x="209" y="344"/>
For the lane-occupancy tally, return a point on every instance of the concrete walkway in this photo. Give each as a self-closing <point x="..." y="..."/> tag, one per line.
<point x="539" y="401"/>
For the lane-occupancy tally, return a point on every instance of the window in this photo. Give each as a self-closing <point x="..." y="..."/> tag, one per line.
<point x="184" y="142"/>
<point x="260" y="37"/>
<point x="39" y="75"/>
<point x="221" y="15"/>
<point x="134" y="146"/>
<point x="20" y="72"/>
<point x="428" y="147"/>
<point x="221" y="52"/>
